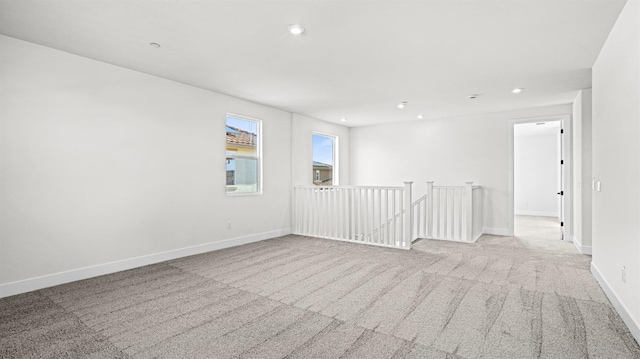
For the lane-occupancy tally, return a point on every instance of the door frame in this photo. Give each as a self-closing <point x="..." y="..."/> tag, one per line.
<point x="565" y="124"/>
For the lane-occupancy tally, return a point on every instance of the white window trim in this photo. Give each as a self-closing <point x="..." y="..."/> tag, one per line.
<point x="260" y="188"/>
<point x="336" y="158"/>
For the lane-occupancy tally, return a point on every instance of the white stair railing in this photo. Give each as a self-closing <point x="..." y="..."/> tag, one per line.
<point x="454" y="212"/>
<point x="419" y="218"/>
<point x="381" y="216"/>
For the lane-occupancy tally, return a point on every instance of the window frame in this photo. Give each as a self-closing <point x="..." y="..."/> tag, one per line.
<point x="258" y="156"/>
<point x="335" y="180"/>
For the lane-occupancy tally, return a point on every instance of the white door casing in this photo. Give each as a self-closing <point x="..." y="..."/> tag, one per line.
<point x="565" y="210"/>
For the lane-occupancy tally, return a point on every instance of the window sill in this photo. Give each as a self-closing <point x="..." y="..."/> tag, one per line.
<point x="240" y="194"/>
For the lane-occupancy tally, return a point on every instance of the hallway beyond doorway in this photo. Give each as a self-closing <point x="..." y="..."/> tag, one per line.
<point x="537" y="231"/>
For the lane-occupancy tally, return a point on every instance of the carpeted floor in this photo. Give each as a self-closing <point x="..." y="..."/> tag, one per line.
<point x="529" y="296"/>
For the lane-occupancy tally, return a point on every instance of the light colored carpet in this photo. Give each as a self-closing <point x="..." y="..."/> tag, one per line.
<point x="539" y="231"/>
<point x="528" y="296"/>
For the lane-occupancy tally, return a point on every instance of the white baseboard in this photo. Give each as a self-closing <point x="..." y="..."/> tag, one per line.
<point x="31" y="284"/>
<point x="627" y="318"/>
<point x="536" y="213"/>
<point x="496" y="231"/>
<point x="581" y="249"/>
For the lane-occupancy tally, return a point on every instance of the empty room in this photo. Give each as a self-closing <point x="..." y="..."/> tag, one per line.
<point x="319" y="179"/>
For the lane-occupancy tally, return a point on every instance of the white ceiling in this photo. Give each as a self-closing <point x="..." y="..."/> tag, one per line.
<point x="357" y="58"/>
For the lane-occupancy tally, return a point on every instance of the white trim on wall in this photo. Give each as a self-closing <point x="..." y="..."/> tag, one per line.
<point x="581" y="249"/>
<point x="496" y="231"/>
<point x="50" y="280"/>
<point x="627" y="318"/>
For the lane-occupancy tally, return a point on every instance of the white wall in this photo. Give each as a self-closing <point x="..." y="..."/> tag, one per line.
<point x="102" y="164"/>
<point x="448" y="151"/>
<point x="582" y="173"/>
<point x="616" y="163"/>
<point x="302" y="132"/>
<point x="536" y="170"/>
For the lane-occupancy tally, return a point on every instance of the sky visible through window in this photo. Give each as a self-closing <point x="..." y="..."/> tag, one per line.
<point x="323" y="149"/>
<point x="249" y="126"/>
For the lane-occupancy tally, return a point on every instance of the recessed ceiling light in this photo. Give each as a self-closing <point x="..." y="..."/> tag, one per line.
<point x="473" y="96"/>
<point x="516" y="90"/>
<point x="296" y="29"/>
<point x="420" y="117"/>
<point x="154" y="44"/>
<point x="402" y="104"/>
<point x="344" y="120"/>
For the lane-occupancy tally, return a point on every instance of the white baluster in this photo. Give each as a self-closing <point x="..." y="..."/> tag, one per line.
<point x="450" y="201"/>
<point x="429" y="211"/>
<point x="469" y="211"/>
<point x="296" y="218"/>
<point x="387" y="223"/>
<point x="408" y="223"/>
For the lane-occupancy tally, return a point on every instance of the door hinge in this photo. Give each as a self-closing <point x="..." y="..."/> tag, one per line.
<point x="561" y="162"/>
<point x="561" y="193"/>
<point x="561" y="224"/>
<point x="562" y="130"/>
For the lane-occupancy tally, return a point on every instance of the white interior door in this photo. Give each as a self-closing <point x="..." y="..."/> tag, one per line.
<point x="561" y="179"/>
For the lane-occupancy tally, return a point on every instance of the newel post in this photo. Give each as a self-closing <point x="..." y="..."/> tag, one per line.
<point x="469" y="211"/>
<point x="408" y="222"/>
<point x="429" y="210"/>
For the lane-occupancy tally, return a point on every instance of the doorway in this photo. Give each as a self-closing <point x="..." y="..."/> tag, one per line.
<point x="539" y="177"/>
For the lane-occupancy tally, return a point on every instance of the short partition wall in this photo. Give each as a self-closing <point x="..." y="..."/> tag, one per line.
<point x="388" y="216"/>
<point x="456" y="212"/>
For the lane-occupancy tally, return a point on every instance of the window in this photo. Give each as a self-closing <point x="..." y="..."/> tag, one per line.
<point x="244" y="167"/>
<point x="325" y="161"/>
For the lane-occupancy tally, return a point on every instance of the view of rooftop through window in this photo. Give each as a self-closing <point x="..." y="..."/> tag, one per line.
<point x="243" y="153"/>
<point x="323" y="160"/>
